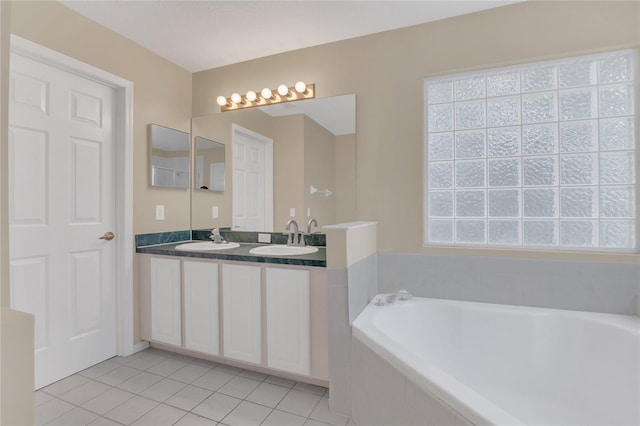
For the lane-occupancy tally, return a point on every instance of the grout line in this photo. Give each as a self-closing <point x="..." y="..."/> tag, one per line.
<point x="190" y="362"/>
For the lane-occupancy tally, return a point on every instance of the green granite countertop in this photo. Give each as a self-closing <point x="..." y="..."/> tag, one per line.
<point x="240" y="254"/>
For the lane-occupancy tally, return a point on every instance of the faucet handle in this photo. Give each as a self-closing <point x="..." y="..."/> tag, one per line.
<point x="404" y="295"/>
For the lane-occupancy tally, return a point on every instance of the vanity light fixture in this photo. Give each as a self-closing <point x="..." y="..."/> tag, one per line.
<point x="283" y="93"/>
<point x="236" y="98"/>
<point x="250" y="96"/>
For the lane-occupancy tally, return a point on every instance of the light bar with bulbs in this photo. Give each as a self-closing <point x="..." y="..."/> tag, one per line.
<point x="251" y="99"/>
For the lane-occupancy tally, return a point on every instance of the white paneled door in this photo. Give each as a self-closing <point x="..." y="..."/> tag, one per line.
<point x="252" y="189"/>
<point x="61" y="201"/>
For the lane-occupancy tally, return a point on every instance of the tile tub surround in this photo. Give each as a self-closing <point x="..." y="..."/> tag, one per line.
<point x="154" y="387"/>
<point x="350" y="290"/>
<point x="352" y="274"/>
<point x="607" y="287"/>
<point x="240" y="254"/>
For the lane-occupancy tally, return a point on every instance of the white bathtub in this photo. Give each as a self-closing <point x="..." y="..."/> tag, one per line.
<point x="503" y="365"/>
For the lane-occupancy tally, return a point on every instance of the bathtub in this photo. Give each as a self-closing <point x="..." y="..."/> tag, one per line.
<point x="453" y="362"/>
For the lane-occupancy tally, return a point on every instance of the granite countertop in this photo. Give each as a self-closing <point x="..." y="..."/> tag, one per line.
<point x="241" y="254"/>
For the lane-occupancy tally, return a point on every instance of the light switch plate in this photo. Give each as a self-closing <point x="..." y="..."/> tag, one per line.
<point x="308" y="211"/>
<point x="292" y="212"/>
<point x="160" y="212"/>
<point x="214" y="212"/>
<point x="264" y="238"/>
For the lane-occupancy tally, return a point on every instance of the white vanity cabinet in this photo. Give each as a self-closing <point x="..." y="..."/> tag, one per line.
<point x="242" y="312"/>
<point x="288" y="320"/>
<point x="201" y="312"/>
<point x="266" y="317"/>
<point x="166" y="309"/>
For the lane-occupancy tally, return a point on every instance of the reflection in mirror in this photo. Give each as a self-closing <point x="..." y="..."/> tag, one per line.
<point x="169" y="157"/>
<point x="209" y="165"/>
<point x="314" y="144"/>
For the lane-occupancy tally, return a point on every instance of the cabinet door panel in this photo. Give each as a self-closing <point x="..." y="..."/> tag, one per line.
<point x="242" y="313"/>
<point x="165" y="301"/>
<point x="201" y="332"/>
<point x="288" y="320"/>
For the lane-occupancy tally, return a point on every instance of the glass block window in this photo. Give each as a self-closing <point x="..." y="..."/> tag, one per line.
<point x="538" y="156"/>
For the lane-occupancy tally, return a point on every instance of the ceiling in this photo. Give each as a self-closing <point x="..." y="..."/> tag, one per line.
<point x="337" y="114"/>
<point x="205" y="34"/>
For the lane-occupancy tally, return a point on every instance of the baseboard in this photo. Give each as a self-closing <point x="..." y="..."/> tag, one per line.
<point x="140" y="346"/>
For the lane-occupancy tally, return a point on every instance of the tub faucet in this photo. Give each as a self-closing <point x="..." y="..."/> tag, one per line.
<point x="215" y="236"/>
<point x="296" y="238"/>
<point x="399" y="295"/>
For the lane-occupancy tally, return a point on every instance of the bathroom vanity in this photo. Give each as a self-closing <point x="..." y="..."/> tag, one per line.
<point x="263" y="313"/>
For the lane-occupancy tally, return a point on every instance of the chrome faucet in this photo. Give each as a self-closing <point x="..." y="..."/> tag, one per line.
<point x="312" y="221"/>
<point x="296" y="238"/>
<point x="215" y="236"/>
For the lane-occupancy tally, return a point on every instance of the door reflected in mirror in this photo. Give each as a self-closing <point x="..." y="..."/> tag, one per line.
<point x="169" y="157"/>
<point x="209" y="165"/>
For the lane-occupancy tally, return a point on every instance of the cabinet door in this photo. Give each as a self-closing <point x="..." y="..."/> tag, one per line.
<point x="165" y="301"/>
<point x="201" y="332"/>
<point x="242" y="313"/>
<point x="288" y="320"/>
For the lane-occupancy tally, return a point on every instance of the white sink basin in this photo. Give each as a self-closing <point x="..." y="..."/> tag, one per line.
<point x="206" y="246"/>
<point x="282" y="250"/>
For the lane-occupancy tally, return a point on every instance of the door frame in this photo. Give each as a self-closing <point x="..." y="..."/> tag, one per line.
<point x="268" y="171"/>
<point x="123" y="132"/>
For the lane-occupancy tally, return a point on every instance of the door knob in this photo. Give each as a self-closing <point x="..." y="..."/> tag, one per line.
<point x="107" y="236"/>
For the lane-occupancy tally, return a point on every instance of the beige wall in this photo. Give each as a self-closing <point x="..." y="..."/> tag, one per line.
<point x="16" y="368"/>
<point x="319" y="171"/>
<point x="386" y="72"/>
<point x="162" y="94"/>
<point x="345" y="175"/>
<point x="288" y="171"/>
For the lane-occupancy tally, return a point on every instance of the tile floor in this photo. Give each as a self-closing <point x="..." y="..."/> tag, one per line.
<point x="155" y="387"/>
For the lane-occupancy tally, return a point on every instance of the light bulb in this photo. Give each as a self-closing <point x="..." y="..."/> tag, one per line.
<point x="266" y="93"/>
<point x="236" y="98"/>
<point x="221" y="100"/>
<point x="283" y="90"/>
<point x="251" y="96"/>
<point x="301" y="87"/>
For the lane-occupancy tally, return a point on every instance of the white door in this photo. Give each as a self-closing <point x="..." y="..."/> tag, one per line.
<point x="252" y="181"/>
<point x="166" y="312"/>
<point x="201" y="321"/>
<point x="61" y="200"/>
<point x="242" y="313"/>
<point x="288" y="320"/>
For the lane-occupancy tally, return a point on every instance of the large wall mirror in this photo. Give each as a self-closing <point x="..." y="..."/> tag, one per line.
<point x="295" y="160"/>
<point x="170" y="157"/>
<point x="209" y="160"/>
